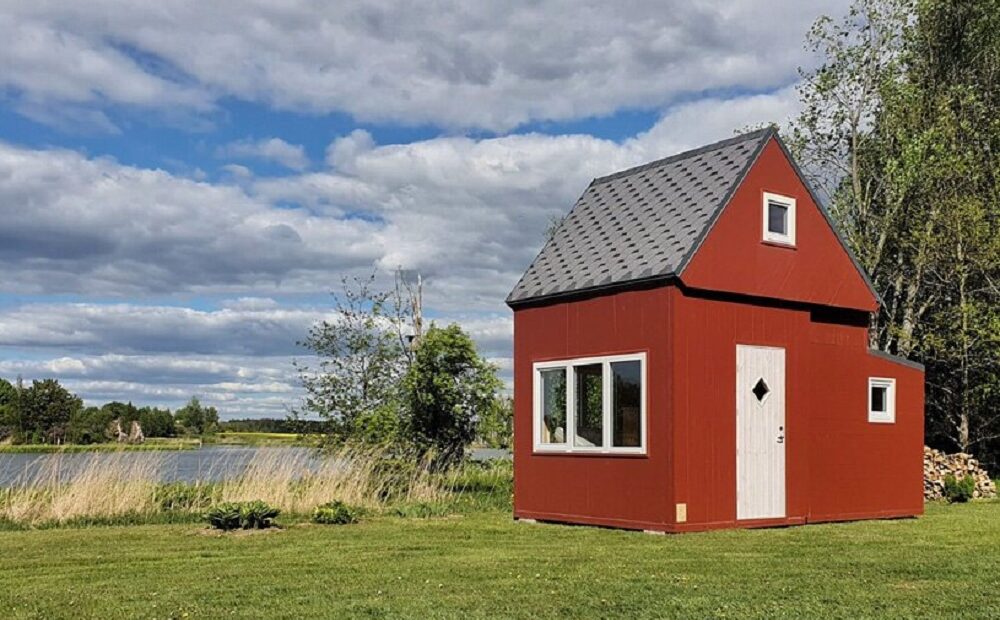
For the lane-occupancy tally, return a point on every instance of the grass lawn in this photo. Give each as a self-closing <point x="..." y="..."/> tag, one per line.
<point x="484" y="565"/>
<point x="234" y="438"/>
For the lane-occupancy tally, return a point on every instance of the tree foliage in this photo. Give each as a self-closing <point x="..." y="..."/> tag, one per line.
<point x="9" y="422"/>
<point x="45" y="410"/>
<point x="362" y="355"/>
<point x="449" y="388"/>
<point x="197" y="419"/>
<point x="901" y="128"/>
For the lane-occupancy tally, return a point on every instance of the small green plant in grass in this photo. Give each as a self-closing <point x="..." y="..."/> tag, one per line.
<point x="959" y="490"/>
<point x="224" y="517"/>
<point x="255" y="515"/>
<point x="422" y="510"/>
<point x="336" y="513"/>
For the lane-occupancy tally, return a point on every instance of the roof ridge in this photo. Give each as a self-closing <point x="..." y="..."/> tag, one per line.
<point x="752" y="135"/>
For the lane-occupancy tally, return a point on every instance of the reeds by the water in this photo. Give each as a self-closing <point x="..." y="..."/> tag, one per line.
<point x="110" y="485"/>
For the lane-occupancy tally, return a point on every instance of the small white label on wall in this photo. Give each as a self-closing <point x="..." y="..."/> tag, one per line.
<point x="682" y="513"/>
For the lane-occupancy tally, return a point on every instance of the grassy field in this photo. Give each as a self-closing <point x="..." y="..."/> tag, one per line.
<point x="482" y="564"/>
<point x="261" y="439"/>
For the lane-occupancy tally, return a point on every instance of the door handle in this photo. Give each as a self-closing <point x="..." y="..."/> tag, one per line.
<point x="781" y="439"/>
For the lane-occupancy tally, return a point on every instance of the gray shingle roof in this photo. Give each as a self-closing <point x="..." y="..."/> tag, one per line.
<point x="640" y="224"/>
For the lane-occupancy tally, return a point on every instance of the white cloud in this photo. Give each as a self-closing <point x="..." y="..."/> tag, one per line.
<point x="93" y="226"/>
<point x="468" y="213"/>
<point x="291" y="156"/>
<point x="238" y="358"/>
<point x="482" y="64"/>
<point x="237" y="171"/>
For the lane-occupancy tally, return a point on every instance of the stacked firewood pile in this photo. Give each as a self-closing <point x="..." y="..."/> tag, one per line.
<point x="937" y="465"/>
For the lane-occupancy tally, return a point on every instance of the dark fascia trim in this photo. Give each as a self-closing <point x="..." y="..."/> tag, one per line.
<point x="830" y="222"/>
<point x="746" y="137"/>
<point x="595" y="291"/>
<point x="763" y="136"/>
<point x="758" y="300"/>
<point x="896" y="359"/>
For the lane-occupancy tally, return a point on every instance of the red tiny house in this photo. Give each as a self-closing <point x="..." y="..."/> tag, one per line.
<point x="690" y="353"/>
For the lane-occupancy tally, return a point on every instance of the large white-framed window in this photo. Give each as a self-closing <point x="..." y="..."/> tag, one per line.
<point x="881" y="400"/>
<point x="778" y="214"/>
<point x="590" y="405"/>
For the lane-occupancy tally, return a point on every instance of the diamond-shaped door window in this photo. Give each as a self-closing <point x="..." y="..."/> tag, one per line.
<point x="761" y="390"/>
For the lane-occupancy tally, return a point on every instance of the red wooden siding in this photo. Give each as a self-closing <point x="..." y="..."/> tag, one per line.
<point x="732" y="257"/>
<point x="838" y="465"/>
<point x="625" y="491"/>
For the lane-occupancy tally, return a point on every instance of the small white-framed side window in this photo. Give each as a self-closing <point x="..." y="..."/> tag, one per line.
<point x="779" y="218"/>
<point x="590" y="404"/>
<point x="881" y="400"/>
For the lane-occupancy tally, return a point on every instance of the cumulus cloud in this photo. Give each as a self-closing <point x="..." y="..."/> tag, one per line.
<point x="468" y="213"/>
<point x="97" y="227"/>
<point x="460" y="65"/>
<point x="291" y="156"/>
<point x="238" y="358"/>
<point x="246" y="328"/>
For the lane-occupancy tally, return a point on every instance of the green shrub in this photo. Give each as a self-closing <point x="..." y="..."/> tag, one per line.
<point x="959" y="490"/>
<point x="255" y="515"/>
<point x="224" y="517"/>
<point x="336" y="513"/>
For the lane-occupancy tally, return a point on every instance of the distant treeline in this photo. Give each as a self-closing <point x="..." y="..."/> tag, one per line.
<point x="274" y="425"/>
<point x="46" y="412"/>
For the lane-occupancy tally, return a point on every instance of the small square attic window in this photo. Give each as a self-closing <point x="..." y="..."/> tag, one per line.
<point x="779" y="219"/>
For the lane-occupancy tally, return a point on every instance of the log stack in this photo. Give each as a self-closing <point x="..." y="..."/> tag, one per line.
<point x="937" y="465"/>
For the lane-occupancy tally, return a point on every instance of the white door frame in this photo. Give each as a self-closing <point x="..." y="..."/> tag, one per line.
<point x="760" y="432"/>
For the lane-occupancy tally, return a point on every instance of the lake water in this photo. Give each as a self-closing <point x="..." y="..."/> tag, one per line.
<point x="207" y="463"/>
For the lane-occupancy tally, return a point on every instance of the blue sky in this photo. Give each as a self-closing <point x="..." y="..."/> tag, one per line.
<point x="181" y="186"/>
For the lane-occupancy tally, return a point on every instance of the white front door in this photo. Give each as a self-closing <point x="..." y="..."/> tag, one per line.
<point x="760" y="432"/>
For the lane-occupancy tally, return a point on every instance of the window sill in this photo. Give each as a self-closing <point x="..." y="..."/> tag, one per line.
<point x="637" y="453"/>
<point x="872" y="420"/>
<point x="779" y="244"/>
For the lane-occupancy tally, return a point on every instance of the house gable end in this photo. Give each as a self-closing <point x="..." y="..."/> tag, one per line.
<point x="808" y="264"/>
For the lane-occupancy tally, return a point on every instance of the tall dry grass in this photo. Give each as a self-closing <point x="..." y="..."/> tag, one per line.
<point x="110" y="485"/>
<point x="104" y="485"/>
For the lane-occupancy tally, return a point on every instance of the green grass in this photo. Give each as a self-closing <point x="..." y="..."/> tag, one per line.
<point x="232" y="438"/>
<point x="481" y="564"/>
<point x="153" y="444"/>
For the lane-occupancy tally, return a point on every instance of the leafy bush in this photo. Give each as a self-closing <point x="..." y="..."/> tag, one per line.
<point x="224" y="517"/>
<point x="959" y="490"/>
<point x="336" y="513"/>
<point x="255" y="515"/>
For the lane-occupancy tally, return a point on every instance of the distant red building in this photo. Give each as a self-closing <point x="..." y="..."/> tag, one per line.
<point x="691" y="352"/>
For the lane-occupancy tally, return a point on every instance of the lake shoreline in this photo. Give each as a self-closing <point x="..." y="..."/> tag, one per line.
<point x="161" y="444"/>
<point x="46" y="448"/>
